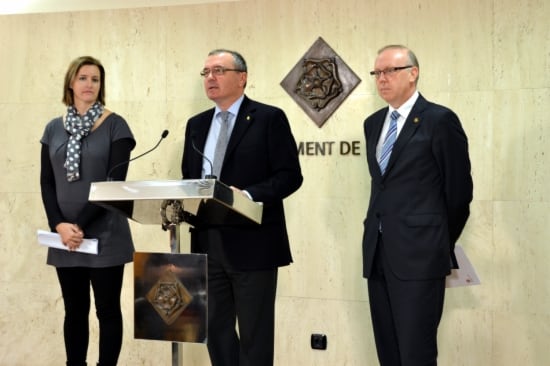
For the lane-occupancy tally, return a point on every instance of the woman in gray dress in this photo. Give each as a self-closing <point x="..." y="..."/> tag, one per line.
<point x="79" y="148"/>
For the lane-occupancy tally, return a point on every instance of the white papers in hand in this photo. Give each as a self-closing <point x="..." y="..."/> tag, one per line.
<point x="465" y="275"/>
<point x="53" y="240"/>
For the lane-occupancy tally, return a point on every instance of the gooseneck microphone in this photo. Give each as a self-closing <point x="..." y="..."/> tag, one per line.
<point x="206" y="176"/>
<point x="109" y="178"/>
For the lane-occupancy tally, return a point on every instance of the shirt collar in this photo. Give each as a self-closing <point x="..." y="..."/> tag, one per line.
<point x="406" y="107"/>
<point x="233" y="109"/>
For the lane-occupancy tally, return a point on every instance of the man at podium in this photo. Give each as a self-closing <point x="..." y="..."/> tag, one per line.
<point x="250" y="147"/>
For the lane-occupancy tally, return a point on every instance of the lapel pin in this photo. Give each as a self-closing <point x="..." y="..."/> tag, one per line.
<point x="416" y="120"/>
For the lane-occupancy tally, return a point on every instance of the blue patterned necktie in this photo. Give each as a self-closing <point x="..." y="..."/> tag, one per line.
<point x="387" y="147"/>
<point x="221" y="144"/>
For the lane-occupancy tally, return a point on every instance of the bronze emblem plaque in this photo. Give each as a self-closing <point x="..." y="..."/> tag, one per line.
<point x="170" y="297"/>
<point x="320" y="82"/>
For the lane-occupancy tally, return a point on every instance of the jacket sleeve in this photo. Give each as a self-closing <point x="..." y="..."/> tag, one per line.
<point x="451" y="151"/>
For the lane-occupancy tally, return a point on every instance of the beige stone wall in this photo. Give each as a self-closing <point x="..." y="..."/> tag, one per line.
<point x="487" y="60"/>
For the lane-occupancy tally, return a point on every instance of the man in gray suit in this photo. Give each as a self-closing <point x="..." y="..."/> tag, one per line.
<point x="421" y="189"/>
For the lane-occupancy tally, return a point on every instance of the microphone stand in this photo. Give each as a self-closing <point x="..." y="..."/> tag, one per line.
<point x="109" y="178"/>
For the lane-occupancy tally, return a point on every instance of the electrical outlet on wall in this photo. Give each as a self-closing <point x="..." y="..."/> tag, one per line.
<point x="318" y="341"/>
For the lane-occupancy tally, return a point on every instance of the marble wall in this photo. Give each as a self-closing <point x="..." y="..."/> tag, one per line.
<point x="487" y="60"/>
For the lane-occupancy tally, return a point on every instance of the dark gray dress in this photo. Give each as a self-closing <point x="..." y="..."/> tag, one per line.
<point x="112" y="230"/>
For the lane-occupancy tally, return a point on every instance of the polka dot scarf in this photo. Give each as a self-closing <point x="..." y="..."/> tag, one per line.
<point x="78" y="128"/>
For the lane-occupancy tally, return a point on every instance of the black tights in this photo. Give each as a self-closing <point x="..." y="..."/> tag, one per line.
<point x="75" y="287"/>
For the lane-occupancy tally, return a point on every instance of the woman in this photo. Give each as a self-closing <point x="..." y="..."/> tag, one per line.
<point x="77" y="149"/>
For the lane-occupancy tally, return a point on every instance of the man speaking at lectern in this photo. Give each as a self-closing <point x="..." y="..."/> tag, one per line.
<point x="421" y="190"/>
<point x="249" y="146"/>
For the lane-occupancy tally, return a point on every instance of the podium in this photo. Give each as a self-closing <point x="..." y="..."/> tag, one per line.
<point x="169" y="203"/>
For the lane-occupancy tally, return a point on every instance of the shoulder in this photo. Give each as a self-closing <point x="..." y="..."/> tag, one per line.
<point x="439" y="119"/>
<point x="252" y="110"/>
<point x="116" y="121"/>
<point x="207" y="114"/>
<point x="381" y="112"/>
<point x="377" y="116"/>
<point x="429" y="107"/>
<point x="250" y="104"/>
<point x="114" y="117"/>
<point x="53" y="127"/>
<point x="57" y="122"/>
<point x="118" y="127"/>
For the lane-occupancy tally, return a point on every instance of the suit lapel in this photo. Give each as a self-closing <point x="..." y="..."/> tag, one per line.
<point x="409" y="128"/>
<point x="378" y="122"/>
<point x="243" y="121"/>
<point x="201" y="129"/>
<point x="200" y="134"/>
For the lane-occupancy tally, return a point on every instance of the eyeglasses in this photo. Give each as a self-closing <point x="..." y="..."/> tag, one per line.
<point x="217" y="71"/>
<point x="390" y="71"/>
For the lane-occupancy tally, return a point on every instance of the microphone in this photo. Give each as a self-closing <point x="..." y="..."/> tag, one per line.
<point x="109" y="178"/>
<point x="206" y="176"/>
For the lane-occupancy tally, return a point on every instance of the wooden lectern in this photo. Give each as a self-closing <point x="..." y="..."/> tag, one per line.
<point x="168" y="204"/>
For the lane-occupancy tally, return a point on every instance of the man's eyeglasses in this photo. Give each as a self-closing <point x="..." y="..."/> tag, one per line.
<point x="217" y="71"/>
<point x="390" y="71"/>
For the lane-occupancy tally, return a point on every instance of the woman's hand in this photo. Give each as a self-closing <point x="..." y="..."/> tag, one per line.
<point x="71" y="235"/>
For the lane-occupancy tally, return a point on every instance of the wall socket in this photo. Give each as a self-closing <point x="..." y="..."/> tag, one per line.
<point x="318" y="341"/>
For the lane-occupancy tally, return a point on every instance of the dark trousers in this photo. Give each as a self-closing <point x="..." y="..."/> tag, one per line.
<point x="246" y="298"/>
<point x="75" y="286"/>
<point x="405" y="315"/>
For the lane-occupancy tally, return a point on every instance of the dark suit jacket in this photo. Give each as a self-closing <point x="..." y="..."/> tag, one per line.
<point x="422" y="201"/>
<point x="261" y="158"/>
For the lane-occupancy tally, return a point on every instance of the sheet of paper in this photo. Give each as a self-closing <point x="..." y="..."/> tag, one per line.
<point x="53" y="240"/>
<point x="465" y="275"/>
